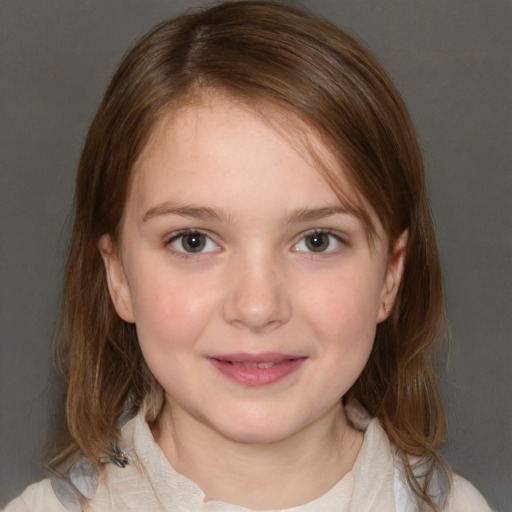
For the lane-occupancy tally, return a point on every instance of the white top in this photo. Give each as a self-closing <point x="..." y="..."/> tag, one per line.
<point x="149" y="483"/>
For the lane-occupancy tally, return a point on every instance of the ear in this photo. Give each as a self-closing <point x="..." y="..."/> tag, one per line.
<point x="393" y="277"/>
<point x="116" y="279"/>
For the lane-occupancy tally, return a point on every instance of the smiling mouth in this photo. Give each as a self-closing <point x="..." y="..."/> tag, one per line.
<point x="257" y="370"/>
<point x="248" y="364"/>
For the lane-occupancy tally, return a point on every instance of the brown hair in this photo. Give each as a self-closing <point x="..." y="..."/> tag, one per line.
<point x="265" y="53"/>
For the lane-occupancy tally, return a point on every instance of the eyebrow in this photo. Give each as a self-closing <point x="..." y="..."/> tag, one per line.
<point x="197" y="212"/>
<point x="308" y="214"/>
<point x="206" y="213"/>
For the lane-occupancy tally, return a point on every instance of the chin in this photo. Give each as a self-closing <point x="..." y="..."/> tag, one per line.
<point x="262" y="436"/>
<point x="263" y="430"/>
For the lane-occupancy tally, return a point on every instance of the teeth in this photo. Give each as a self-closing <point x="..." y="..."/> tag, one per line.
<point x="249" y="364"/>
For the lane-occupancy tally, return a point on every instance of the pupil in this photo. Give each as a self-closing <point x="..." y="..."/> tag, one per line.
<point x="318" y="242"/>
<point x="194" y="242"/>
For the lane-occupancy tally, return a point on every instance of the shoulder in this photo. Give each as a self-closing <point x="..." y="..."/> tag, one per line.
<point x="37" y="497"/>
<point x="463" y="497"/>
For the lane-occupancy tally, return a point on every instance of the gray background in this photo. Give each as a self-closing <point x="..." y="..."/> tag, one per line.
<point x="452" y="61"/>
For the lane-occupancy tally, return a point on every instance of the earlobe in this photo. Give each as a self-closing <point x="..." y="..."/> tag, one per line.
<point x="116" y="279"/>
<point x="393" y="277"/>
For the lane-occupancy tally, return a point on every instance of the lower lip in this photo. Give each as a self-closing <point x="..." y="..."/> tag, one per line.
<point x="258" y="376"/>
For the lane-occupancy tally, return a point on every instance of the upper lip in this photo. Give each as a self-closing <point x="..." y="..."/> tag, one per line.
<point x="265" y="357"/>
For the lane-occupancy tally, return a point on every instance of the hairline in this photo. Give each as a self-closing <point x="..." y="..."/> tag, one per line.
<point x="302" y="134"/>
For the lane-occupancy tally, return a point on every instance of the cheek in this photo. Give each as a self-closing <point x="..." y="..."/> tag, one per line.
<point x="343" y="313"/>
<point x="171" y="317"/>
<point x="343" y="301"/>
<point x="169" y="311"/>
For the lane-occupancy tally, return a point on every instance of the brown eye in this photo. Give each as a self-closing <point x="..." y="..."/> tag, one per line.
<point x="317" y="242"/>
<point x="194" y="242"/>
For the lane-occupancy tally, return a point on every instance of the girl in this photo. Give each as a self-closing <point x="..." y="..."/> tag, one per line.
<point x="253" y="288"/>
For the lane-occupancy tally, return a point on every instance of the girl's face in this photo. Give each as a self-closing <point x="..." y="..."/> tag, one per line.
<point x="254" y="292"/>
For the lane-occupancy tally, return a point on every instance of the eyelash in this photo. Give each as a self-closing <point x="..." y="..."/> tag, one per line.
<point x="320" y="232"/>
<point x="175" y="237"/>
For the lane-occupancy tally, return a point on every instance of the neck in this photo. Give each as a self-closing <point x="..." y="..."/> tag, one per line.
<point x="282" y="474"/>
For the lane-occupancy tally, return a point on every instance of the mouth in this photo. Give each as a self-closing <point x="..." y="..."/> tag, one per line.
<point x="257" y="369"/>
<point x="248" y="364"/>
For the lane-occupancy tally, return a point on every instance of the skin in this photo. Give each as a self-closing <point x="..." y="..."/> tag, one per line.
<point x="256" y="287"/>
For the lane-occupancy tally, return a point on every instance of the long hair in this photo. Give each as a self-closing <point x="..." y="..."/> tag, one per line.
<point x="275" y="55"/>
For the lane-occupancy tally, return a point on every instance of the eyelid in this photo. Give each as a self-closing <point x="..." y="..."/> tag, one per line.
<point x="340" y="241"/>
<point x="176" y="235"/>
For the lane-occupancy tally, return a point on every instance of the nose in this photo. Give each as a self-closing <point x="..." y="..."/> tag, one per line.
<point x="257" y="297"/>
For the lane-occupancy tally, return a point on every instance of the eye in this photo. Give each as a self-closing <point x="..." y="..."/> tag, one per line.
<point x="192" y="242"/>
<point x="318" y="241"/>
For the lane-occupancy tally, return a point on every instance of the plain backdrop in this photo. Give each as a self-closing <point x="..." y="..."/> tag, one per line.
<point x="452" y="61"/>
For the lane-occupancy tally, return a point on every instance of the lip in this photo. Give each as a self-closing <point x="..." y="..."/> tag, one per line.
<point x="257" y="369"/>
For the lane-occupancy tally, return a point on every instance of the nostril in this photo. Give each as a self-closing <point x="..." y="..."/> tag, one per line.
<point x="258" y="312"/>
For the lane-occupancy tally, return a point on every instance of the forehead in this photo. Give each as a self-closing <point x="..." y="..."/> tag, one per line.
<point x="206" y="138"/>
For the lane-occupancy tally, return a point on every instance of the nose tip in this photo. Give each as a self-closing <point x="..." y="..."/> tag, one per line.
<point x="257" y="318"/>
<point x="257" y="300"/>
